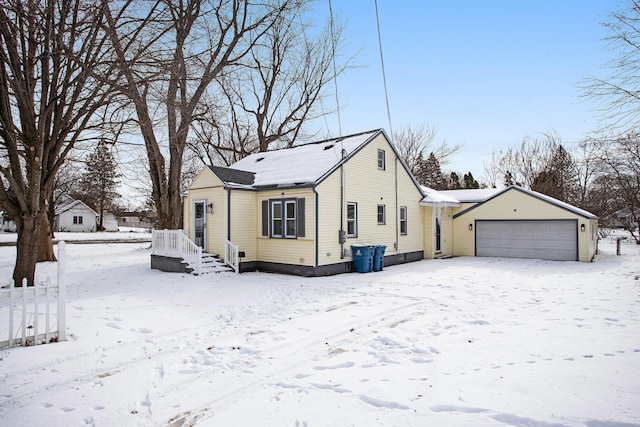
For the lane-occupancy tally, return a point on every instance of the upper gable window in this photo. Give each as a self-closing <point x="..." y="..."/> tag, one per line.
<point x="381" y="159"/>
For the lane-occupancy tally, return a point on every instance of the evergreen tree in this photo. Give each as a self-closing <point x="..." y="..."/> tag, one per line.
<point x="431" y="174"/>
<point x="454" y="181"/>
<point x="508" y="179"/>
<point x="99" y="182"/>
<point x="470" y="182"/>
<point x="560" y="178"/>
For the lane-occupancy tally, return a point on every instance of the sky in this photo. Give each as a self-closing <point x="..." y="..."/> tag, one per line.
<point x="485" y="74"/>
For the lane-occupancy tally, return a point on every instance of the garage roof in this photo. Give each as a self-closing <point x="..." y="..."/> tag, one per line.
<point x="540" y="196"/>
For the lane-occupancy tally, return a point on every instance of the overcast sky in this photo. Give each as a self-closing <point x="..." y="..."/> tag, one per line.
<point x="485" y="73"/>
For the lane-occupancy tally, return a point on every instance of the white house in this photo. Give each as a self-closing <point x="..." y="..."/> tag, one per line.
<point x="75" y="216"/>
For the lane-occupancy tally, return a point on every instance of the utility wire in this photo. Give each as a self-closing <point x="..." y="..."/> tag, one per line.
<point x="384" y="78"/>
<point x="333" y="58"/>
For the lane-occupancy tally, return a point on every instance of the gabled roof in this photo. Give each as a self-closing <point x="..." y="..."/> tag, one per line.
<point x="540" y="196"/>
<point x="302" y="165"/>
<point x="63" y="208"/>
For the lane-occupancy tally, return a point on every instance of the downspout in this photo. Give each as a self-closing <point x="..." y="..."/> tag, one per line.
<point x="317" y="223"/>
<point x="342" y="234"/>
<point x="229" y="215"/>
<point x="397" y="213"/>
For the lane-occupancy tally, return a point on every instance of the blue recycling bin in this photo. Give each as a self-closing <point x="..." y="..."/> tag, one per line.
<point x="378" y="257"/>
<point x="363" y="257"/>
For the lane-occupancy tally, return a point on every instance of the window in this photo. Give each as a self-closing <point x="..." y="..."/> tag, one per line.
<point x="381" y="159"/>
<point x="276" y="219"/>
<point x="403" y="220"/>
<point x="290" y="218"/>
<point x="381" y="215"/>
<point x="77" y="220"/>
<point x="283" y="218"/>
<point x="352" y="220"/>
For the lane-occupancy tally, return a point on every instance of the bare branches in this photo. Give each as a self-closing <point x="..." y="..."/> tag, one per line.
<point x="268" y="97"/>
<point x="416" y="143"/>
<point x="619" y="93"/>
<point x="50" y="52"/>
<point x="169" y="53"/>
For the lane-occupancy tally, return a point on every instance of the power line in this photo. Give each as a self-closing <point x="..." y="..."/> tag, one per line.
<point x="333" y="58"/>
<point x="384" y="77"/>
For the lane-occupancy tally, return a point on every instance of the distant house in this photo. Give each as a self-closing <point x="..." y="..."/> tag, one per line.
<point x="7" y="224"/>
<point x="300" y="210"/>
<point x="76" y="216"/>
<point x="141" y="219"/>
<point x="622" y="219"/>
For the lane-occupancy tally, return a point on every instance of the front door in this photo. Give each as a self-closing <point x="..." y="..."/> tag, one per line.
<point x="200" y="223"/>
<point x="438" y="231"/>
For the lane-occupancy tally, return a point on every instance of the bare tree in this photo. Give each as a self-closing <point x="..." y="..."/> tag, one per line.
<point x="169" y="53"/>
<point x="48" y="97"/>
<point x="522" y="164"/>
<point x="619" y="93"/>
<point x="620" y="157"/>
<point x="278" y="88"/>
<point x="415" y="144"/>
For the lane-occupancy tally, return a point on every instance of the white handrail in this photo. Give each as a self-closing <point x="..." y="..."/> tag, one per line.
<point x="231" y="255"/>
<point x="174" y="243"/>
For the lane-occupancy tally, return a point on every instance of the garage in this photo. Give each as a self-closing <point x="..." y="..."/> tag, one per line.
<point x="542" y="239"/>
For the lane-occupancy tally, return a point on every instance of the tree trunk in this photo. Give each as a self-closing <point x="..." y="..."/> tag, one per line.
<point x="26" y="249"/>
<point x="45" y="242"/>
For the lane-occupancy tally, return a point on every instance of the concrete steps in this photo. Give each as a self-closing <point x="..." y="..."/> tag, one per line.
<point x="211" y="263"/>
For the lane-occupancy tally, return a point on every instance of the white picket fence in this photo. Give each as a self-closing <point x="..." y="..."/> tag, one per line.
<point x="28" y="310"/>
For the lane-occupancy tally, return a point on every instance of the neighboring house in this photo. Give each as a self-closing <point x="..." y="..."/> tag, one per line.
<point x="135" y="219"/>
<point x="76" y="216"/>
<point x="299" y="210"/>
<point x="6" y="224"/>
<point x="622" y="219"/>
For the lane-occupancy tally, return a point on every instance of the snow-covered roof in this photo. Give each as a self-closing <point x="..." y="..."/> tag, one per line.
<point x="303" y="164"/>
<point x="437" y="198"/>
<point x="472" y="196"/>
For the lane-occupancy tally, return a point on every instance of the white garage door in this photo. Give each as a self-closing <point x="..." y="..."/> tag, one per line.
<point x="553" y="240"/>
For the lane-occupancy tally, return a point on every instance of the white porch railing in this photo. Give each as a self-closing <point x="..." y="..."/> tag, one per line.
<point x="174" y="243"/>
<point x="231" y="255"/>
<point x="29" y="310"/>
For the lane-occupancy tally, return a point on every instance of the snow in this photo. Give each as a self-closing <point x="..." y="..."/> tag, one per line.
<point x="301" y="164"/>
<point x="436" y="198"/>
<point x="462" y="341"/>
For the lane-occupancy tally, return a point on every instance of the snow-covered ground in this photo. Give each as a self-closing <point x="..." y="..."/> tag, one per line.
<point x="124" y="233"/>
<point x="462" y="341"/>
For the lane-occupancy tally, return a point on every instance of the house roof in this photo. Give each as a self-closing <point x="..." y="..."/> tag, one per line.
<point x="485" y="196"/>
<point x="438" y="198"/>
<point x="233" y="176"/>
<point x="72" y="204"/>
<point x="472" y="196"/>
<point x="302" y="165"/>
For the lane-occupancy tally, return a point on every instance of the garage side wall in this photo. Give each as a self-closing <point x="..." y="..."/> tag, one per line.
<point x="516" y="205"/>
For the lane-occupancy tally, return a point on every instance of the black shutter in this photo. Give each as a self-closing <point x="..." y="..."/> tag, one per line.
<point x="265" y="217"/>
<point x="300" y="218"/>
